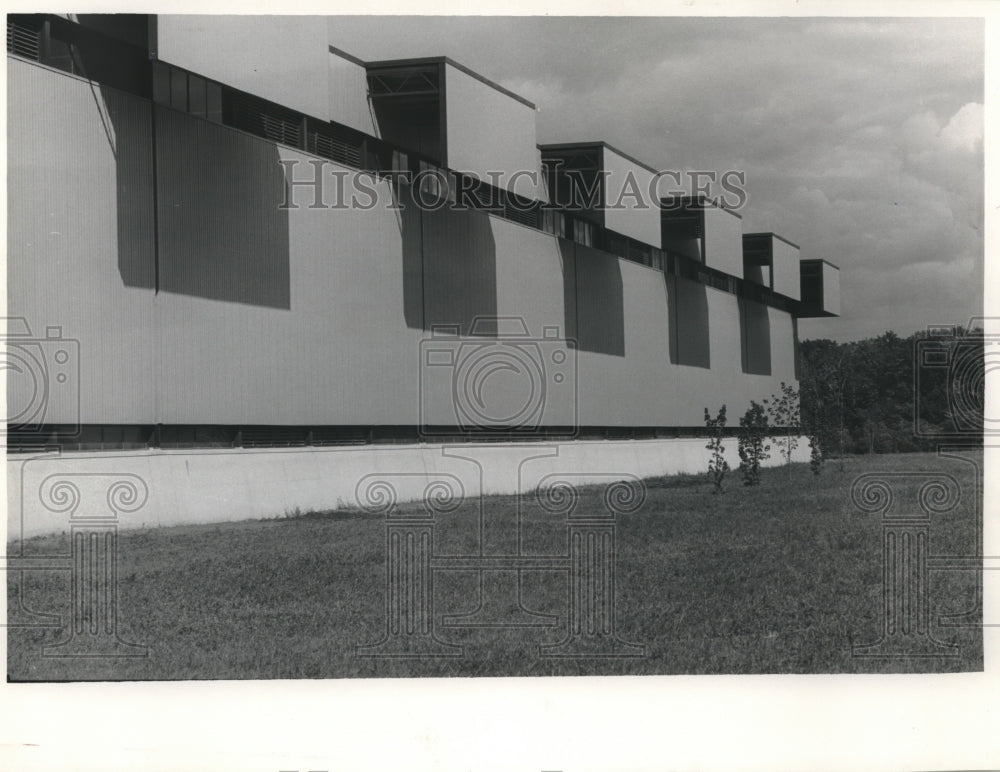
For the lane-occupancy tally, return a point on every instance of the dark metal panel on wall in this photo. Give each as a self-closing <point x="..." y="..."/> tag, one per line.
<point x="442" y="70"/>
<point x="459" y="268"/>
<point x="692" y="323"/>
<point x="600" y="302"/>
<point x="567" y="261"/>
<point x="222" y="232"/>
<point x="755" y="337"/>
<point x="132" y="123"/>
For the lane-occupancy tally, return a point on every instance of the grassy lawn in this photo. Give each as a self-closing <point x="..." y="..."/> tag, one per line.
<point x="776" y="579"/>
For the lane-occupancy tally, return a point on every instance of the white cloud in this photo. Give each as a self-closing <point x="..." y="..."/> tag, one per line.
<point x="965" y="129"/>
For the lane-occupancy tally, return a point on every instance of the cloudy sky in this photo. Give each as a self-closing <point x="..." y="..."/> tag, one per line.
<point x="861" y="139"/>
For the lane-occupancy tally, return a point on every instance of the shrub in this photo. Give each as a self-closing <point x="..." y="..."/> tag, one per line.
<point x="816" y="455"/>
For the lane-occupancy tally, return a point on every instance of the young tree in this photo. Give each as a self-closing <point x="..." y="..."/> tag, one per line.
<point x="752" y="443"/>
<point x="783" y="413"/>
<point x="717" y="464"/>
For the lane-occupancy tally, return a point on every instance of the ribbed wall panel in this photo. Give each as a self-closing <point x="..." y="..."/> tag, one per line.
<point x="343" y="345"/>
<point x="615" y="388"/>
<point x="80" y="239"/>
<point x="341" y="354"/>
<point x="644" y="388"/>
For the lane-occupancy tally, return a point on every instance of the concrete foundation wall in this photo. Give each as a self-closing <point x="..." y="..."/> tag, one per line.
<point x="188" y="487"/>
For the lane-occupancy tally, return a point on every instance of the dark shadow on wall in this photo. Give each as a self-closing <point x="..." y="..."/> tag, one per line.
<point x="222" y="233"/>
<point x="411" y="233"/>
<point x="458" y="281"/>
<point x="671" y="281"/>
<point x="755" y="337"/>
<point x="594" y="301"/>
<point x="687" y="302"/>
<point x="567" y="260"/>
<point x="797" y="352"/>
<point x="412" y="124"/>
<point x="128" y="123"/>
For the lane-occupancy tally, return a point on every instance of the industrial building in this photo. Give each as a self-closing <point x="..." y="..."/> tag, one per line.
<point x="212" y="242"/>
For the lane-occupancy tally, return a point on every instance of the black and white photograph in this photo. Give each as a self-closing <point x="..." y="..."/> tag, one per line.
<point x="563" y="357"/>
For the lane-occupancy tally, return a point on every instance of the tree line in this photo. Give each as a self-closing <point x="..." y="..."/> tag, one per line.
<point x="889" y="394"/>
